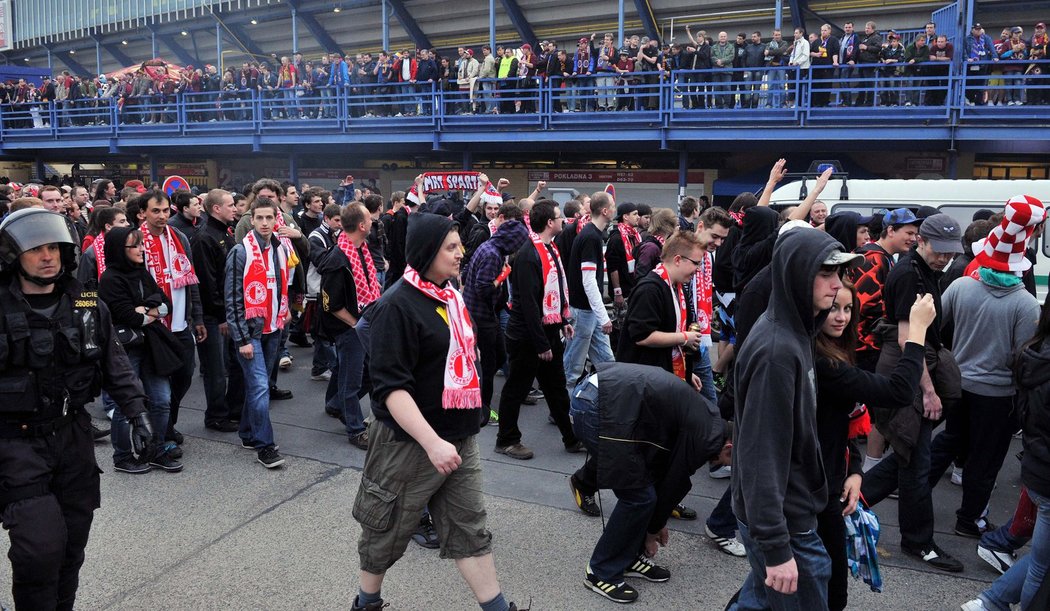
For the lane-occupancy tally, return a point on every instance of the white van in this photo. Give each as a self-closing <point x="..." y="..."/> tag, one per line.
<point x="958" y="198"/>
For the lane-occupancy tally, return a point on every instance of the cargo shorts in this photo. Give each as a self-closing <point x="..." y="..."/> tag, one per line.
<point x="399" y="481"/>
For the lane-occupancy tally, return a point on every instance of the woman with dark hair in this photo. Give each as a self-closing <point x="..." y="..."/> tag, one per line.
<point x="1025" y="582"/>
<point x="135" y="301"/>
<point x="840" y="386"/>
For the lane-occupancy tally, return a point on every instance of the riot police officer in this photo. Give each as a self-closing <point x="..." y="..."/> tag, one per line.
<point x="57" y="351"/>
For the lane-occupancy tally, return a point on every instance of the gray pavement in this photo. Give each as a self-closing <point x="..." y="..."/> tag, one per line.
<point x="228" y="534"/>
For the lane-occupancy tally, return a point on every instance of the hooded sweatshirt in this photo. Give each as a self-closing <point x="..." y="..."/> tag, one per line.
<point x="1033" y="377"/>
<point x="125" y="285"/>
<point x="755" y="248"/>
<point x="779" y="484"/>
<point x="987" y="326"/>
<point x="415" y="338"/>
<point x="843" y="227"/>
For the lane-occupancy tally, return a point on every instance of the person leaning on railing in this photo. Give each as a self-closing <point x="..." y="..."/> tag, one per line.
<point x="915" y="56"/>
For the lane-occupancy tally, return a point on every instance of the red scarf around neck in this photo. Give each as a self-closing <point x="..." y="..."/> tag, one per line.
<point x="258" y="291"/>
<point x="365" y="286"/>
<point x="462" y="385"/>
<point x="681" y="318"/>
<point x="174" y="274"/>
<point x="555" y="293"/>
<point x="703" y="293"/>
<point x="100" y="253"/>
<point x="630" y="238"/>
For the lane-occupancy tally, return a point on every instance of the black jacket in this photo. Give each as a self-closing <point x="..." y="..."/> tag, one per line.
<point x="1033" y="379"/>
<point x="755" y="247"/>
<point x="779" y="484"/>
<point x="395" y="243"/>
<point x="651" y="308"/>
<point x="526" y="312"/>
<point x="210" y="245"/>
<point x="653" y="429"/>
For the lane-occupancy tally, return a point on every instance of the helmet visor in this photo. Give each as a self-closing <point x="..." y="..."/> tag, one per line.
<point x="28" y="231"/>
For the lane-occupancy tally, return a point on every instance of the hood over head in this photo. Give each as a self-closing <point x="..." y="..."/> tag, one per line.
<point x="116" y="251"/>
<point x="755" y="248"/>
<point x="797" y="257"/>
<point x="426" y="233"/>
<point x="509" y="237"/>
<point x="843" y="227"/>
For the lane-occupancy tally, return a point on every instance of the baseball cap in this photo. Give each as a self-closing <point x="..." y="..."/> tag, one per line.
<point x="900" y="216"/>
<point x="976" y="26"/>
<point x="1016" y="29"/>
<point x="1041" y="25"/>
<point x="840" y="257"/>
<point x="943" y="233"/>
<point x="584" y="40"/>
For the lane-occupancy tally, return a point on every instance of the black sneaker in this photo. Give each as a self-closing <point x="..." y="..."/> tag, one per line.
<point x="584" y="501"/>
<point x="681" y="512"/>
<point x="132" y="466"/>
<point x="425" y="535"/>
<point x="575" y="448"/>
<point x="166" y="462"/>
<point x="376" y="606"/>
<point x="175" y="436"/>
<point x="973" y="530"/>
<point x="97" y="433"/>
<point x="648" y="570"/>
<point x="171" y="449"/>
<point x="270" y="457"/>
<point x="616" y="592"/>
<point x="934" y="556"/>
<point x="223" y="426"/>
<point x="247" y="445"/>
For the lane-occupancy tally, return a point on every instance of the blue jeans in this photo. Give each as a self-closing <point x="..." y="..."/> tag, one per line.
<point x="624" y="535"/>
<point x="256" y="428"/>
<point x="775" y="83"/>
<point x="324" y="356"/>
<point x="158" y="394"/>
<point x="1001" y="540"/>
<point x="589" y="340"/>
<point x="350" y="362"/>
<point x="702" y="369"/>
<point x="814" y="571"/>
<point x="1022" y="581"/>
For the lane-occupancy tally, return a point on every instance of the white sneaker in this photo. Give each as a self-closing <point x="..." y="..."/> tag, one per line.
<point x="723" y="472"/>
<point x="1000" y="561"/>
<point x="285" y="362"/>
<point x="322" y="377"/>
<point x="957" y="475"/>
<point x="728" y="545"/>
<point x="974" y="605"/>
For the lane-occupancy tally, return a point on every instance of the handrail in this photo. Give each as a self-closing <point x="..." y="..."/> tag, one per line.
<point x="787" y="95"/>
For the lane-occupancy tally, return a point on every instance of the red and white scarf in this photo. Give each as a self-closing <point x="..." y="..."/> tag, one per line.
<point x="462" y="385"/>
<point x="169" y="275"/>
<point x="555" y="293"/>
<point x="100" y="253"/>
<point x="434" y="182"/>
<point x="365" y="286"/>
<point x="259" y="288"/>
<point x="289" y="250"/>
<point x="703" y="291"/>
<point x="630" y="238"/>
<point x="681" y="316"/>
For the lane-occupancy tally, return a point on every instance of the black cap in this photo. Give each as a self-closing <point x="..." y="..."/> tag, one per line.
<point x="625" y="209"/>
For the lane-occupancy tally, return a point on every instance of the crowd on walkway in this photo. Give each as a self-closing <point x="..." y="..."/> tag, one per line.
<point x="859" y="67"/>
<point x="830" y="330"/>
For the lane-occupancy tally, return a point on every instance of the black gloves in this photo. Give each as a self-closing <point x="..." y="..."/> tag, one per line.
<point x="142" y="437"/>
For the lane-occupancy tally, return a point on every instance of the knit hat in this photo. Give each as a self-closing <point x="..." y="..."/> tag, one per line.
<point x="1004" y="249"/>
<point x="491" y="195"/>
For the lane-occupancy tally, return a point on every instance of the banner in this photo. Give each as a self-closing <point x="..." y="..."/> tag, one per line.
<point x="434" y="182"/>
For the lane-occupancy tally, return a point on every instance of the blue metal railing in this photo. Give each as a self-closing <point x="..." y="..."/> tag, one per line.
<point x="924" y="93"/>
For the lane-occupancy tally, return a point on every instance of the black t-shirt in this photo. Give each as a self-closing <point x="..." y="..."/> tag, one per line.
<point x="909" y="277"/>
<point x="650" y="308"/>
<point x="616" y="260"/>
<point x="408" y="352"/>
<point x="338" y="292"/>
<point x="588" y="247"/>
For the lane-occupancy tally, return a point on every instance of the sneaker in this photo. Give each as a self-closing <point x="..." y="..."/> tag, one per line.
<point x="974" y="530"/>
<point x="376" y="606"/>
<point x="280" y="394"/>
<point x="322" y="377"/>
<point x="270" y="457"/>
<point x="723" y="472"/>
<point x="97" y="433"/>
<point x="648" y="570"/>
<point x="974" y="605"/>
<point x="165" y="461"/>
<point x="515" y="450"/>
<point x="247" y="445"/>
<point x="575" y="448"/>
<point x="1000" y="561"/>
<point x="729" y="545"/>
<point x="584" y="501"/>
<point x="493" y="418"/>
<point x="616" y="592"/>
<point x="681" y="512"/>
<point x="360" y="441"/>
<point x="934" y="556"/>
<point x="285" y="362"/>
<point x="425" y="535"/>
<point x="132" y="465"/>
<point x="175" y="436"/>
<point x="171" y="449"/>
<point x="957" y="474"/>
<point x="223" y="426"/>
<point x="720" y="381"/>
<point x="300" y="340"/>
<point x="536" y="394"/>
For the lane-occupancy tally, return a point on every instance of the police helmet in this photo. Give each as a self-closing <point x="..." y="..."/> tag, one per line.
<point x="32" y="227"/>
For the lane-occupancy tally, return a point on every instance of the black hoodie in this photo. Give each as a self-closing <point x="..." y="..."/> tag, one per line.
<point x="125" y="285"/>
<point x="779" y="484"/>
<point x="843" y="227"/>
<point x="1033" y="380"/>
<point x="755" y="248"/>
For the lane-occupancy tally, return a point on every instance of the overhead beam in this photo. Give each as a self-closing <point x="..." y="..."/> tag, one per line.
<point x="521" y="24"/>
<point x="798" y="17"/>
<point x="243" y="40"/>
<point x="645" y="13"/>
<point x="320" y="33"/>
<point x="115" y="52"/>
<point x="185" y="57"/>
<point x="75" y="66"/>
<point x="410" y="25"/>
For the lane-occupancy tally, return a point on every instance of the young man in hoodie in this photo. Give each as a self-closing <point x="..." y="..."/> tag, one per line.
<point x="779" y="485"/>
<point x="986" y="321"/>
<point x="427" y="405"/>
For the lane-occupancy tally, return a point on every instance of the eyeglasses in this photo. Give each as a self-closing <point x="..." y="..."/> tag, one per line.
<point x="139" y="245"/>
<point x="694" y="262"/>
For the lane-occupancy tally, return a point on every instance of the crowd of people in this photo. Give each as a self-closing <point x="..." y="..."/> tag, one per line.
<point x="831" y="329"/>
<point x="594" y="74"/>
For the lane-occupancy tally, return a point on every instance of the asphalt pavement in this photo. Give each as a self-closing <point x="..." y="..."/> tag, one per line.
<point x="227" y="533"/>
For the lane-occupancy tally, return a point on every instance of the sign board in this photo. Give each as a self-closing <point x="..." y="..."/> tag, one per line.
<point x="174" y="183"/>
<point x="614" y="176"/>
<point x="7" y="35"/>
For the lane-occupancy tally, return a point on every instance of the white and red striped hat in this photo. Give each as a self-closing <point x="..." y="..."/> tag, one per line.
<point x="1004" y="248"/>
